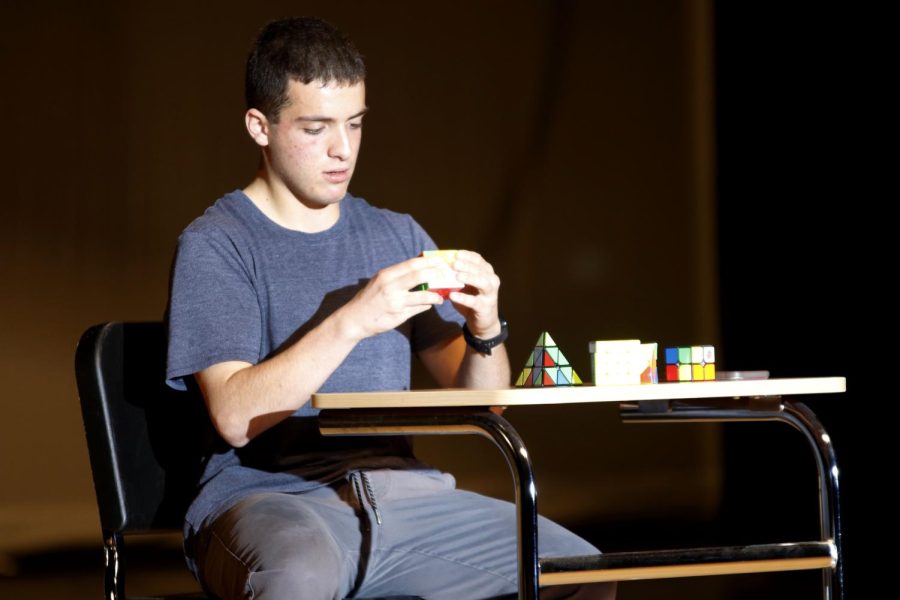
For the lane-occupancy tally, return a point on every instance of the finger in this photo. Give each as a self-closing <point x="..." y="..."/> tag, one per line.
<point x="423" y="298"/>
<point x="487" y="283"/>
<point x="433" y="270"/>
<point x="409" y="274"/>
<point x="411" y="266"/>
<point x="472" y="263"/>
<point x="438" y="276"/>
<point x="468" y="300"/>
<point x="468" y="256"/>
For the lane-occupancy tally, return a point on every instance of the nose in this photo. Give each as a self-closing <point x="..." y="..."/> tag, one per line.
<point x="340" y="146"/>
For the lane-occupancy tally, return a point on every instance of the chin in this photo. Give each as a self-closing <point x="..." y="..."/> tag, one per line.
<point x="322" y="200"/>
<point x="332" y="199"/>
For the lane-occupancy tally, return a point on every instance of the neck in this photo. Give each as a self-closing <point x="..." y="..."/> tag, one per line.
<point x="284" y="208"/>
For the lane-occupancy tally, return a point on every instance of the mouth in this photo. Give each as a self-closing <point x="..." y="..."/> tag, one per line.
<point x="337" y="176"/>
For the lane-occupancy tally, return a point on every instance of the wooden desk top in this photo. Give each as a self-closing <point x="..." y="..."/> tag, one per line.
<point x="584" y="393"/>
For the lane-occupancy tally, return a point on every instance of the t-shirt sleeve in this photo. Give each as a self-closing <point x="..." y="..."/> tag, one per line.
<point x="214" y="314"/>
<point x="441" y="322"/>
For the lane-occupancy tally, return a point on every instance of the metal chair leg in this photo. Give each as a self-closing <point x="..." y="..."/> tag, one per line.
<point x="113" y="576"/>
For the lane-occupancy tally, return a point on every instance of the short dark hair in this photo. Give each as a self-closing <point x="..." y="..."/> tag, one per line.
<point x="302" y="49"/>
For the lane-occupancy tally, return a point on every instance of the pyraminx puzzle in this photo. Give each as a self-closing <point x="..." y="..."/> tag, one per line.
<point x="547" y="366"/>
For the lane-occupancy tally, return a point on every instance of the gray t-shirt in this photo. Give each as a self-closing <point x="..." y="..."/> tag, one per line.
<point x="244" y="287"/>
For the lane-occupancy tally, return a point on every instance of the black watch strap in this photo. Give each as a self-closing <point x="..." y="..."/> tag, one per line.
<point x="484" y="346"/>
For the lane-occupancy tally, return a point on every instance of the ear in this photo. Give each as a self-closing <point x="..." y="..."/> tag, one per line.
<point x="257" y="126"/>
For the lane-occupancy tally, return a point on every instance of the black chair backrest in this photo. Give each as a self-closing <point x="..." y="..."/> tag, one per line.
<point x="146" y="441"/>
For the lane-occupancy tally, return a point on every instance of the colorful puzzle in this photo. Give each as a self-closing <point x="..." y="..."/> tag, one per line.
<point x="547" y="366"/>
<point x="445" y="283"/>
<point x="690" y="363"/>
<point x="623" y="362"/>
<point x="648" y="361"/>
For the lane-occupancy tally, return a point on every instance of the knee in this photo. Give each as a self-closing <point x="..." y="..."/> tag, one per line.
<point x="293" y="562"/>
<point x="310" y="569"/>
<point x="313" y="572"/>
<point x="310" y="560"/>
<point x="309" y="579"/>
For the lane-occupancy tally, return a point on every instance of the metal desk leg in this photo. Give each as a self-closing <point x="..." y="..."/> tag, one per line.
<point x="804" y="420"/>
<point x="451" y="422"/>
<point x="795" y="414"/>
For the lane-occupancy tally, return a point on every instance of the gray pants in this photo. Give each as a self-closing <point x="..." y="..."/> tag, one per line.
<point x="378" y="533"/>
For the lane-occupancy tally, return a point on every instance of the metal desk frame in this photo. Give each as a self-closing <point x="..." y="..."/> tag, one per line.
<point x="422" y="413"/>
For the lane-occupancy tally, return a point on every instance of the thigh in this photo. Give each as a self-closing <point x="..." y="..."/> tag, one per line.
<point x="271" y="546"/>
<point x="454" y="544"/>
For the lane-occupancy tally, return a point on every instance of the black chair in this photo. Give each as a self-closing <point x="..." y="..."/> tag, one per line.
<point x="146" y="441"/>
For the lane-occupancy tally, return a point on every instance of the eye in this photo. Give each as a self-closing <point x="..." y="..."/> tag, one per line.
<point x="315" y="131"/>
<point x="357" y="125"/>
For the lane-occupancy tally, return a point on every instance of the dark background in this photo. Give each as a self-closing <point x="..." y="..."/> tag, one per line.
<point x="796" y="171"/>
<point x="680" y="172"/>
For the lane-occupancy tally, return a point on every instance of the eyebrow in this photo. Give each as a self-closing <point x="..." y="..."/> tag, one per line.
<point x="318" y="118"/>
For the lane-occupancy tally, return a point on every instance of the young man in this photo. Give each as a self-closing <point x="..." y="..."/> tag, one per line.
<point x="291" y="286"/>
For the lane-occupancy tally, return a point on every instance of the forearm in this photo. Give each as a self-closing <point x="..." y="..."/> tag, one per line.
<point x="484" y="371"/>
<point x="245" y="400"/>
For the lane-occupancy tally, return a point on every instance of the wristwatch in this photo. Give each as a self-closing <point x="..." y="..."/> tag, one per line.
<point x="484" y="346"/>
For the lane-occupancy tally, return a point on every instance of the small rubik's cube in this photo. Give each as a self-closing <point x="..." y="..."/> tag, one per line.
<point x="623" y="362"/>
<point x="445" y="282"/>
<point x="690" y="363"/>
<point x="547" y="366"/>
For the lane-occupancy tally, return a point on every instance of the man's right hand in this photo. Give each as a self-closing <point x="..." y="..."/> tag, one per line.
<point x="387" y="302"/>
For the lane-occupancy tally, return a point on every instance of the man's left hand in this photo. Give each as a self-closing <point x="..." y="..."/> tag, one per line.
<point x="477" y="301"/>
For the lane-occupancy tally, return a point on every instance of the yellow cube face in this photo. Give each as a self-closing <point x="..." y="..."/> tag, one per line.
<point x="684" y="372"/>
<point x="709" y="372"/>
<point x="449" y="256"/>
<point x="697" y="372"/>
